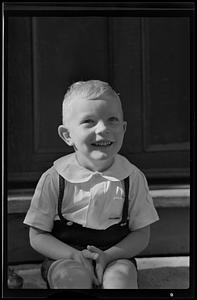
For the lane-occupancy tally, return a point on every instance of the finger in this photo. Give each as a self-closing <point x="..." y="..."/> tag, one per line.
<point x="95" y="256"/>
<point x="99" y="272"/>
<point x="93" y="249"/>
<point x="93" y="274"/>
<point x="95" y="280"/>
<point x="89" y="254"/>
<point x="89" y="266"/>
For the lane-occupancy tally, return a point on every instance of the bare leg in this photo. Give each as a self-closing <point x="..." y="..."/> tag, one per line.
<point x="69" y="274"/>
<point x="120" y="274"/>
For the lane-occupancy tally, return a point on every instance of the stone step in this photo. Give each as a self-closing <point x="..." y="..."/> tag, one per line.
<point x="154" y="273"/>
<point x="19" y="200"/>
<point x="170" y="202"/>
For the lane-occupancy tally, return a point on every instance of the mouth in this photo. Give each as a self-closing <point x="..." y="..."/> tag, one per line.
<point x="102" y="144"/>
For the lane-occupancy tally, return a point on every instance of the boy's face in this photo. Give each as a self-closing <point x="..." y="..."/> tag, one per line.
<point x="96" y="130"/>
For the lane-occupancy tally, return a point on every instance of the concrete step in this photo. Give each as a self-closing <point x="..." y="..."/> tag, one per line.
<point x="19" y="200"/>
<point x="154" y="273"/>
<point x="173" y="207"/>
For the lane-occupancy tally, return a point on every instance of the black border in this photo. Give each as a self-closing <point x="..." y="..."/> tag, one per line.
<point x="115" y="8"/>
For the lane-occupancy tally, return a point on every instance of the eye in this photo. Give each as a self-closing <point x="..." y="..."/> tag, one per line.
<point x="87" y="121"/>
<point x="113" y="119"/>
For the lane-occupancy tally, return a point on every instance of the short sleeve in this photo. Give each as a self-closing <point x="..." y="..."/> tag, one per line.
<point x="141" y="208"/>
<point x="43" y="205"/>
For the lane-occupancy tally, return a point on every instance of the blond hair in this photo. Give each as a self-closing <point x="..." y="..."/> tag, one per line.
<point x="91" y="89"/>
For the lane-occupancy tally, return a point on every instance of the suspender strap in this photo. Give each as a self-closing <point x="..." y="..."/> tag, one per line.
<point x="60" y="197"/>
<point x="126" y="202"/>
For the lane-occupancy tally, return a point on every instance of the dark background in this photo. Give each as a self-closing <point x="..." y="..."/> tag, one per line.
<point x="145" y="59"/>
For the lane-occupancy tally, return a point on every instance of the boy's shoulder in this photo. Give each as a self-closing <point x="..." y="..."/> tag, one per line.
<point x="132" y="171"/>
<point x="64" y="160"/>
<point x="68" y="167"/>
<point x="50" y="173"/>
<point x="54" y="171"/>
<point x="126" y="165"/>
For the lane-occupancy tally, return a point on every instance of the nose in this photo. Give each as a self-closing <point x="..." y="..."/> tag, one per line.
<point x="101" y="127"/>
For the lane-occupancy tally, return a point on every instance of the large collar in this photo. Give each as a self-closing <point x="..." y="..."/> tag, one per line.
<point x="69" y="168"/>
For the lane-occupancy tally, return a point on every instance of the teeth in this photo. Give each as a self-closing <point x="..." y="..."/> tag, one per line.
<point x="102" y="143"/>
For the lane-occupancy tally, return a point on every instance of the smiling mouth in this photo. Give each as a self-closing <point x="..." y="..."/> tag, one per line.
<point x="102" y="144"/>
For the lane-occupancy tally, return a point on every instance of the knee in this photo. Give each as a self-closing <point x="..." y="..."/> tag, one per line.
<point x="121" y="274"/>
<point x="68" y="274"/>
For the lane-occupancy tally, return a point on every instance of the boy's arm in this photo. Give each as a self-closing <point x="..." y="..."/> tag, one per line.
<point x="47" y="245"/>
<point x="134" y="243"/>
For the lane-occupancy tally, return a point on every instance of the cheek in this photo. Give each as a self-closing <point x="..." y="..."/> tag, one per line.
<point x="119" y="132"/>
<point x="82" y="136"/>
<point x="119" y="137"/>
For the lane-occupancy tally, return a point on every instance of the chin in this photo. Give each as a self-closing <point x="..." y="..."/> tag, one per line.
<point x="101" y="156"/>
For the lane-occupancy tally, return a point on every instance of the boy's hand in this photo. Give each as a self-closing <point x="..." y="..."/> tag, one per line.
<point x="87" y="264"/>
<point x="100" y="258"/>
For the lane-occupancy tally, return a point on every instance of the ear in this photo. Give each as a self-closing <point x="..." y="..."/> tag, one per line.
<point x="65" y="135"/>
<point x="124" y="126"/>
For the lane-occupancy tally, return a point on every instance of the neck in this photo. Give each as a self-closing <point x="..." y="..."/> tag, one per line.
<point x="99" y="166"/>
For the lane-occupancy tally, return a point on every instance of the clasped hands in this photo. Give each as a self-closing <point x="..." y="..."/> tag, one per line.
<point x="101" y="260"/>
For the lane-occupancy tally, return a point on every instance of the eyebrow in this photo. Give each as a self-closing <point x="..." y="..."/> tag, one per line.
<point x="86" y="116"/>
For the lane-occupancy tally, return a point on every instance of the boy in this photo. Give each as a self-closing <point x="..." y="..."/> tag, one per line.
<point x="91" y="211"/>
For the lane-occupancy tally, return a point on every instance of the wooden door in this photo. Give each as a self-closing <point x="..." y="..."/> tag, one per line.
<point x="146" y="60"/>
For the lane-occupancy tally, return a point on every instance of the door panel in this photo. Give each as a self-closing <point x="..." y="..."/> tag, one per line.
<point x="65" y="50"/>
<point x="166" y="83"/>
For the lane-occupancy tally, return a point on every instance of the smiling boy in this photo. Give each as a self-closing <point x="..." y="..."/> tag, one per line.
<point x="91" y="211"/>
<point x="94" y="126"/>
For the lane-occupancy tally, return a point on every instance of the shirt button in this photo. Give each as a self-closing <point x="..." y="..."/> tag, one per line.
<point x="69" y="223"/>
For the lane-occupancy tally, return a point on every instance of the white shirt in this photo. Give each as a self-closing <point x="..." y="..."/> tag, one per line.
<point x="92" y="199"/>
